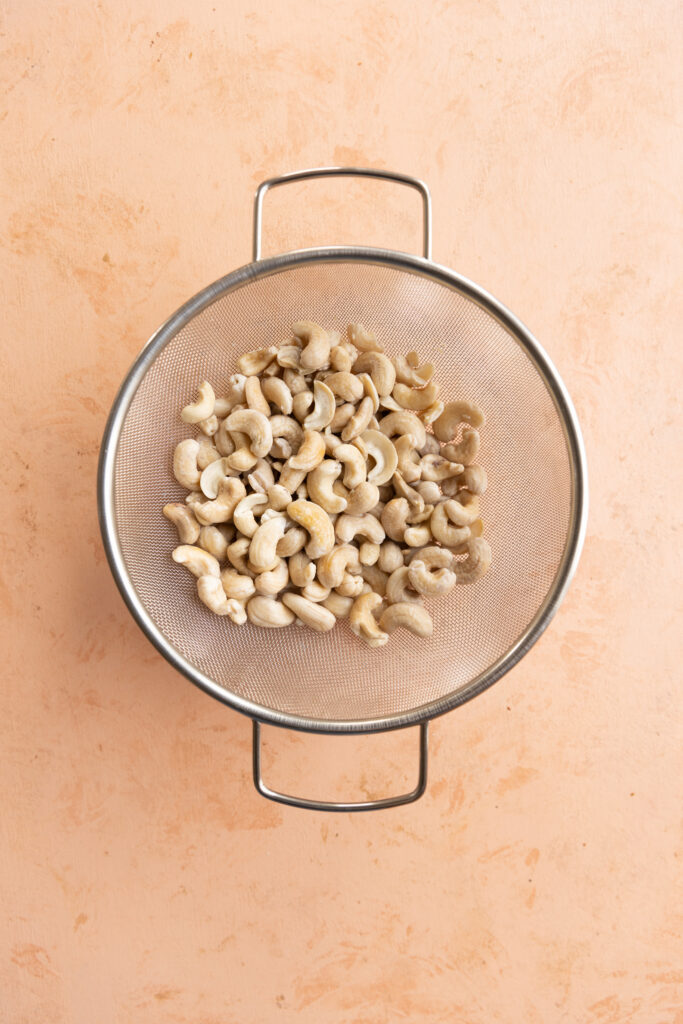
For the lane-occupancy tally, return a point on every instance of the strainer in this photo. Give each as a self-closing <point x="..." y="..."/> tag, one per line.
<point x="534" y="511"/>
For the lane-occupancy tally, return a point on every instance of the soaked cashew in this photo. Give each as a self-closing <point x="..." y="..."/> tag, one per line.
<point x="369" y="553"/>
<point x="343" y="414"/>
<point x="339" y="606"/>
<point x="301" y="569"/>
<point x="346" y="386"/>
<point x="319" y="483"/>
<point x="275" y="391"/>
<point x="464" y="509"/>
<point x="430" y="573"/>
<point x="433" y="468"/>
<point x="430" y="492"/>
<point x="209" y="426"/>
<point x="402" y="424"/>
<point x="394" y="518"/>
<point x="311" y="452"/>
<point x="211" y="593"/>
<point x="408" y="462"/>
<point x="359" y="421"/>
<point x="370" y="390"/>
<point x="390" y="557"/>
<point x="296" y="382"/>
<point x="185" y="468"/>
<point x="363" y="623"/>
<point x="349" y="527"/>
<point x="350" y="586"/>
<point x="315" y="591"/>
<point x="207" y="453"/>
<point x="254" y="396"/>
<point x="278" y="497"/>
<point x="267" y="612"/>
<point x="455" y="413"/>
<point x="237" y="556"/>
<point x="382" y="451"/>
<point x="311" y="614"/>
<point x="203" y="407"/>
<point x="411" y="398"/>
<point x="355" y="466"/>
<point x="332" y="566"/>
<point x="231" y="490"/>
<point x="253" y="363"/>
<point x="262" y="554"/>
<point x="198" y="561"/>
<point x="183" y="519"/>
<point x="414" y="377"/>
<point x="398" y="587"/>
<point x="211" y="477"/>
<point x="271" y="582"/>
<point x="466" y="450"/>
<point x="292" y="541"/>
<point x="341" y="359"/>
<point x="417" y="536"/>
<point x="255" y="425"/>
<point x="261" y="476"/>
<point x="243" y="516"/>
<point x="316" y="351"/>
<point x="237" y="586"/>
<point x="363" y="339"/>
<point x="317" y="524"/>
<point x="324" y="407"/>
<point x="442" y="530"/>
<point x="291" y="479"/>
<point x="474" y="479"/>
<point x="404" y="490"/>
<point x="362" y="498"/>
<point x="381" y="370"/>
<point x="288" y="357"/>
<point x="215" y="540"/>
<point x="406" y="615"/>
<point x="477" y="562"/>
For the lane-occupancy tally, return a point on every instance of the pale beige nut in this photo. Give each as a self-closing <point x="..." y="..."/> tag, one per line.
<point x="394" y="518"/>
<point x="231" y="490"/>
<point x="211" y="593"/>
<point x="278" y="497"/>
<point x="390" y="556"/>
<point x="417" y="536"/>
<point x="291" y="479"/>
<point x="245" y="510"/>
<point x="288" y="357"/>
<point x="311" y="452"/>
<point x="339" y="606"/>
<point x="238" y="553"/>
<point x="273" y="581"/>
<point x="466" y="450"/>
<point x="317" y="524"/>
<point x="431" y="413"/>
<point x="348" y="527"/>
<point x="464" y="509"/>
<point x="324" y="407"/>
<point x="477" y="562"/>
<point x="455" y="413"/>
<point x="301" y="569"/>
<point x="293" y="540"/>
<point x="223" y="406"/>
<point x="414" y="399"/>
<point x="474" y="479"/>
<point x="350" y="586"/>
<point x="313" y="615"/>
<point x="185" y="468"/>
<point x="443" y="530"/>
<point x="215" y="539"/>
<point x="211" y="477"/>
<point x="389" y="403"/>
<point x="271" y="513"/>
<point x="355" y="465"/>
<point x="413" y="376"/>
<point x="242" y="459"/>
<point x="406" y="615"/>
<point x="431" y="446"/>
<point x="417" y="515"/>
<point x="362" y="338"/>
<point x="398" y="587"/>
<point x="408" y="460"/>
<point x="287" y="428"/>
<point x="253" y="363"/>
<point x="183" y="518"/>
<point x="435" y="468"/>
<point x="223" y="440"/>
<point x="319" y="482"/>
<point x="208" y="426"/>
<point x="207" y="453"/>
<point x="332" y="567"/>
<point x="332" y="442"/>
<point x="359" y="421"/>
<point x="368" y="553"/>
<point x="346" y="386"/>
<point x="341" y="360"/>
<point x="203" y="407"/>
<point x="268" y="612"/>
<point x="315" y="591"/>
<point x="370" y="390"/>
<point x="383" y="453"/>
<point x="363" y="622"/>
<point x="254" y="396"/>
<point x="342" y="415"/>
<point x="280" y="450"/>
<point x="198" y="561"/>
<point x="296" y="382"/>
<point x="272" y="370"/>
<point x="404" y="490"/>
<point x="237" y="585"/>
<point x="262" y="550"/>
<point x="316" y="341"/>
<point x="257" y="428"/>
<point x="377" y="579"/>
<point x="261" y="476"/>
<point x="430" y="492"/>
<point x="404" y="424"/>
<point x="380" y="368"/>
<point x="430" y="574"/>
<point x="276" y="392"/>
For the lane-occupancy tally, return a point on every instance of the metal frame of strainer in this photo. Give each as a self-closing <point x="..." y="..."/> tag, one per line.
<point x="405" y="262"/>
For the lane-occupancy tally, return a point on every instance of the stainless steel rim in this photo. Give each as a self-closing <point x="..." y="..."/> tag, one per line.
<point x="411" y="264"/>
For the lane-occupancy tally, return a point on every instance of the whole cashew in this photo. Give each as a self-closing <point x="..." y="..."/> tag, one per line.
<point x="363" y="623"/>
<point x="474" y="479"/>
<point x="369" y="553"/>
<point x="359" y="421"/>
<point x="434" y="468"/>
<point x="324" y="407"/>
<point x="430" y="572"/>
<point x="319" y="483"/>
<point x="231" y="490"/>
<point x="346" y="385"/>
<point x="341" y="359"/>
<point x="363" y="339"/>
<point x="223" y="440"/>
<point x="276" y="392"/>
<point x="207" y="453"/>
<point x="237" y="586"/>
<point x="198" y="561"/>
<point x="463" y="510"/>
<point x="390" y="557"/>
<point x="288" y="357"/>
<point x="338" y="605"/>
<point x="355" y="466"/>
<point x="404" y="423"/>
<point x="262" y="555"/>
<point x="317" y="523"/>
<point x="237" y="556"/>
<point x="316" y="351"/>
<point x="183" y="519"/>
<point x="477" y="562"/>
<point x="408" y="463"/>
<point x="210" y="591"/>
<point x="430" y="492"/>
<point x="215" y="540"/>
<point x="411" y="398"/>
<point x="362" y="498"/>
<point x="394" y="517"/>
<point x="310" y="613"/>
<point x="398" y="587"/>
<point x="466" y="450"/>
<point x="449" y="536"/>
<point x="257" y="428"/>
<point x="254" y="396"/>
<point x="348" y="527"/>
<point x="383" y="452"/>
<point x="185" y="468"/>
<point x="253" y="363"/>
<point x="311" y="452"/>
<point x="417" y="536"/>
<point x="342" y="415"/>
<point x="414" y="377"/>
<point x="332" y="566"/>
<point x="350" y="586"/>
<point x="212" y="476"/>
<point x="273" y="581"/>
<point x="296" y="382"/>
<point x="287" y="428"/>
<point x="266" y="611"/>
<point x="242" y="459"/>
<point x="243" y="516"/>
<point x="406" y="615"/>
<point x="404" y="490"/>
<point x="455" y="413"/>
<point x="315" y="591"/>
<point x="203" y="407"/>
<point x="380" y="368"/>
<point x="431" y="413"/>
<point x="278" y="497"/>
<point x="431" y="446"/>
<point x="291" y="479"/>
<point x="261" y="477"/>
<point x="293" y="540"/>
<point x="370" y="390"/>
<point x="301" y="569"/>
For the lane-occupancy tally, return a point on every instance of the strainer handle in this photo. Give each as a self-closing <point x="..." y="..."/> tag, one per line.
<point x="323" y="805"/>
<point x="346" y="172"/>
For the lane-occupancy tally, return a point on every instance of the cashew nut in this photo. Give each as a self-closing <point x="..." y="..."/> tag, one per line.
<point x="339" y="606"/>
<point x="210" y="591"/>
<point x="398" y="587"/>
<point x="288" y="357"/>
<point x="370" y="390"/>
<point x="359" y="421"/>
<point x="434" y="468"/>
<point x="319" y="483"/>
<point x="406" y="615"/>
<point x="417" y="536"/>
<point x="243" y="516"/>
<point x="212" y="476"/>
<point x="431" y="446"/>
<point x="316" y="351"/>
<point x="342" y="415"/>
<point x="315" y="591"/>
<point x="466" y="450"/>
<point x="301" y="569"/>
<point x="198" y="561"/>
<point x="291" y="479"/>
<point x="332" y="566"/>
<point x="215" y="540"/>
<point x="266" y="611"/>
<point x="276" y="392"/>
<point x="207" y="453"/>
<point x="390" y="557"/>
<point x="363" y="339"/>
<point x="383" y="452"/>
<point x="323" y="409"/>
<point x="341" y="359"/>
<point x="237" y="556"/>
<point x="380" y="368"/>
<point x="185" y="468"/>
<point x="292" y="541"/>
<point x="408" y="463"/>
<point x="455" y="413"/>
<point x="477" y="562"/>
<point x="296" y="382"/>
<point x="394" y="517"/>
<point x="253" y="363"/>
<point x="208" y="426"/>
<point x="362" y="498"/>
<point x="348" y="527"/>
<point x="203" y="407"/>
<point x="404" y="490"/>
<point x="310" y="613"/>
<point x="316" y="522"/>
<point x="223" y="440"/>
<point x="464" y="509"/>
<point x="261" y="477"/>
<point x="442" y="530"/>
<point x="346" y="385"/>
<point x="363" y="623"/>
<point x="350" y="586"/>
<point x="237" y="586"/>
<point x="231" y="490"/>
<point x="414" y="377"/>
<point x="257" y="428"/>
<point x="430" y="572"/>
<point x="430" y="492"/>
<point x="311" y="452"/>
<point x="262" y="554"/>
<point x="355" y="466"/>
<point x="254" y="396"/>
<point x="278" y="497"/>
<point x="474" y="479"/>
<point x="400" y="424"/>
<point x="368" y="553"/>
<point x="182" y="517"/>
<point x="274" y="580"/>
<point x="411" y="398"/>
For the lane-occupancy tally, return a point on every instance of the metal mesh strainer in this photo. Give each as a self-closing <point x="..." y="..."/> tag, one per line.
<point x="534" y="510"/>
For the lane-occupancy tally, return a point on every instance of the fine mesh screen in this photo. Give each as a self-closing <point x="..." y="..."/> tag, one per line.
<point x="526" y="510"/>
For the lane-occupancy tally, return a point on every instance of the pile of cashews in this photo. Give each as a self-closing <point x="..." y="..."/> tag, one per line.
<point x="316" y="492"/>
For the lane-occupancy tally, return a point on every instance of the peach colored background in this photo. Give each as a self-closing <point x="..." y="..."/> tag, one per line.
<point x="142" y="878"/>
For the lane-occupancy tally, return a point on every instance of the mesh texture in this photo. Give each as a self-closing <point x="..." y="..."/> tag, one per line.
<point x="526" y="510"/>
